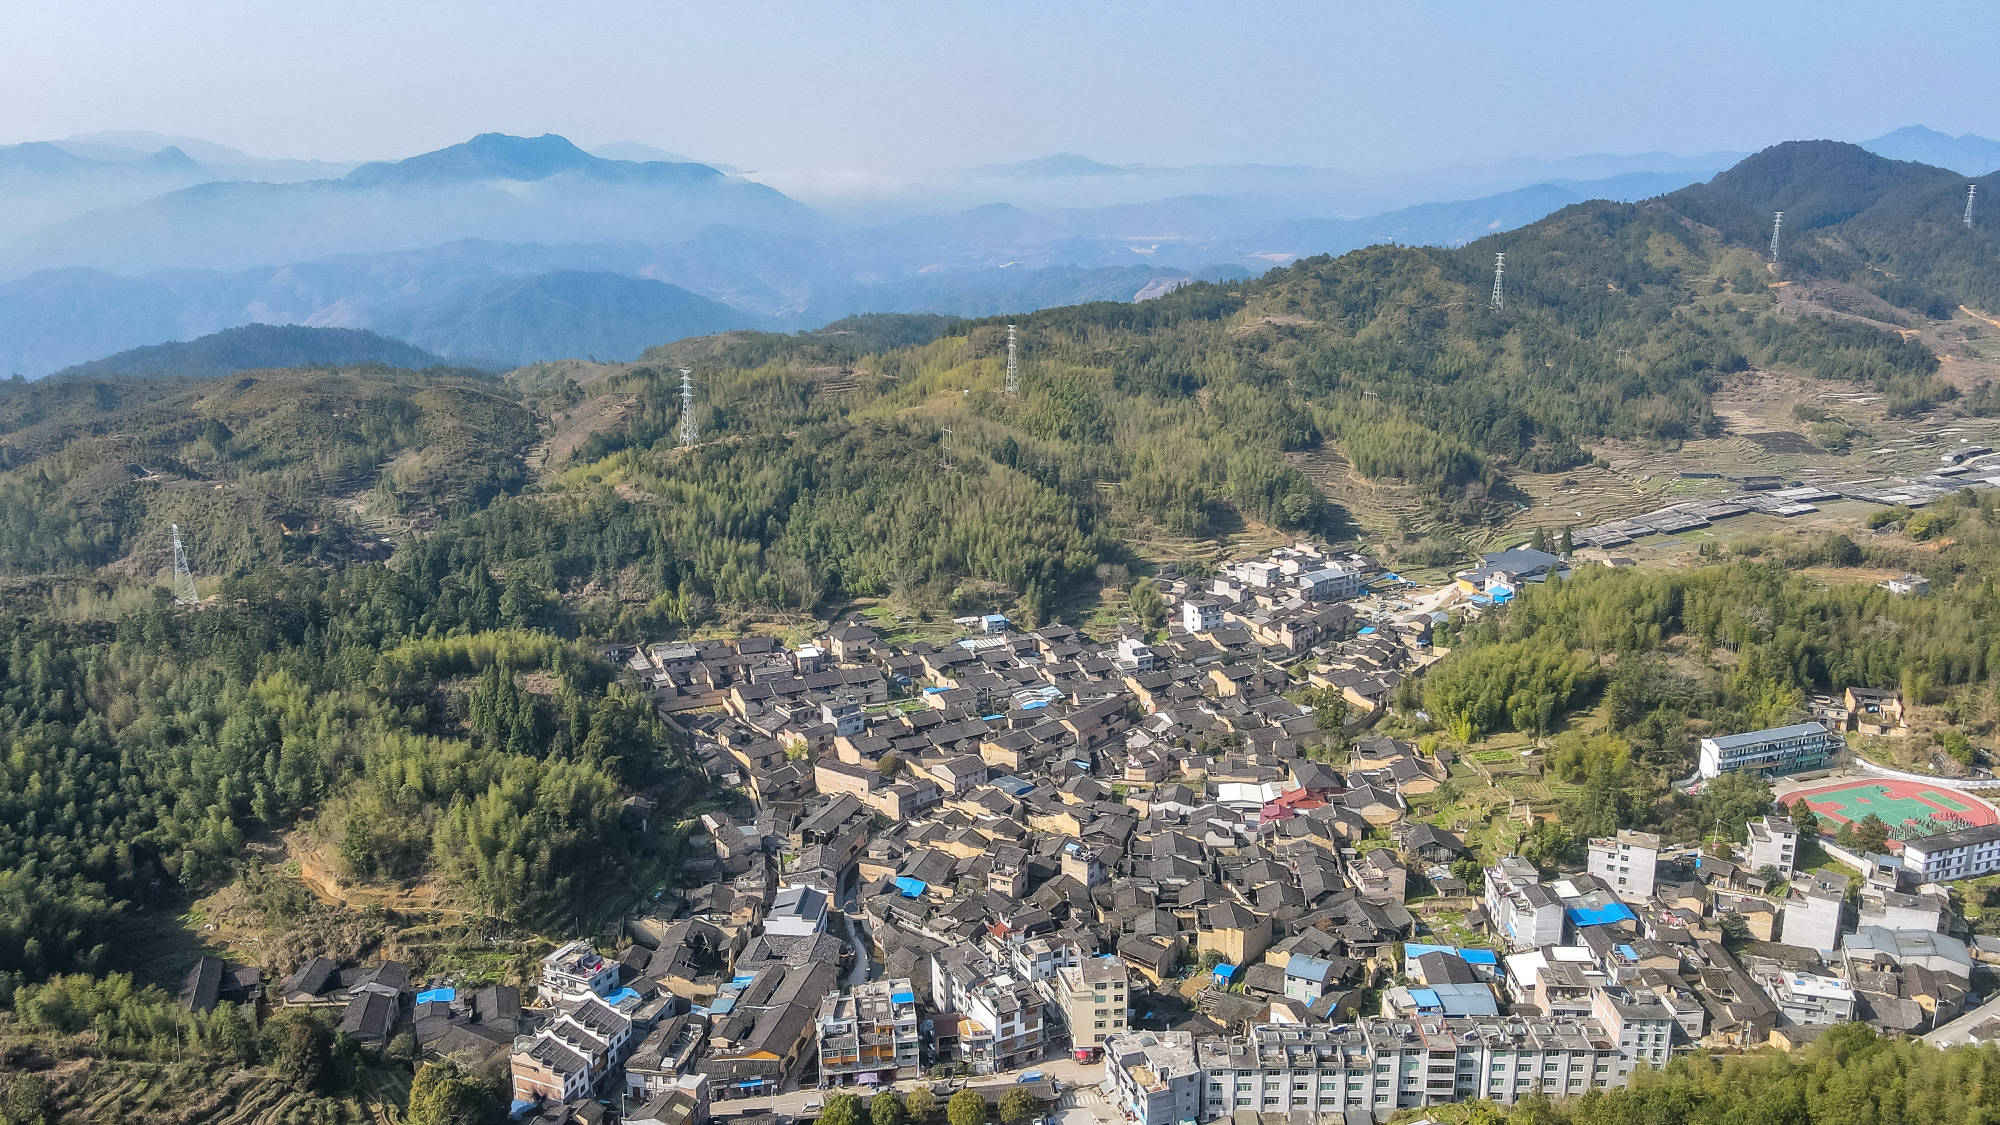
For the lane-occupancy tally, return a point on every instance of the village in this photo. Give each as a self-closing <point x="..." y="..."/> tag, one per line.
<point x="1117" y="879"/>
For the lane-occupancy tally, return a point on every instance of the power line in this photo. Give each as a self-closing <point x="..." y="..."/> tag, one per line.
<point x="1013" y="368"/>
<point x="687" y="409"/>
<point x="1777" y="224"/>
<point x="1499" y="300"/>
<point x="183" y="581"/>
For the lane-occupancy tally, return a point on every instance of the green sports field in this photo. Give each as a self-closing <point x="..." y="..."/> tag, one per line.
<point x="1897" y="803"/>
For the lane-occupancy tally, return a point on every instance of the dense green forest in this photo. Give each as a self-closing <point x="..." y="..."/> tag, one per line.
<point x="259" y="346"/>
<point x="384" y="709"/>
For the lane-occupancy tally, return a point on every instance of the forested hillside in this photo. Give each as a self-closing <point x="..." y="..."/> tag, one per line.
<point x="1184" y="417"/>
<point x="257" y="346"/>
<point x="1624" y="671"/>
<point x="258" y="467"/>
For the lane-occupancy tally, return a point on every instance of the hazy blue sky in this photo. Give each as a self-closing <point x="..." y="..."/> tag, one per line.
<point x="906" y="87"/>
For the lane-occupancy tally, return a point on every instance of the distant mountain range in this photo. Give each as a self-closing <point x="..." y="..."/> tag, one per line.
<point x="505" y="250"/>
<point x="256" y="346"/>
<point x="1970" y="155"/>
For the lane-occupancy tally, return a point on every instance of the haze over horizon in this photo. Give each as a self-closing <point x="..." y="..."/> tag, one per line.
<point x="897" y="93"/>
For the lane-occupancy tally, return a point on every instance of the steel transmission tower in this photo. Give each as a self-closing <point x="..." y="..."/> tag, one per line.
<point x="1970" y="191"/>
<point x="183" y="582"/>
<point x="944" y="447"/>
<point x="1777" y="224"/>
<point x="1013" y="365"/>
<point x="687" y="409"/>
<point x="1499" y="300"/>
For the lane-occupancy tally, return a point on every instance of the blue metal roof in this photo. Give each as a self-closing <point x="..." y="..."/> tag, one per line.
<point x="437" y="995"/>
<point x="902" y="997"/>
<point x="1600" y="915"/>
<point x="1307" y="967"/>
<point x="911" y="888"/>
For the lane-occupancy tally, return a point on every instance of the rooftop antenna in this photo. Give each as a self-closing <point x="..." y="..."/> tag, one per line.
<point x="1013" y="367"/>
<point x="1970" y="191"/>
<point x="183" y="581"/>
<point x="1777" y="224"/>
<point x="687" y="409"/>
<point x="1499" y="301"/>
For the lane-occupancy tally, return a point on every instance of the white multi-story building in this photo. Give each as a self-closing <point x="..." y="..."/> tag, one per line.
<point x="1379" y="1066"/>
<point x="1801" y="746"/>
<point x="573" y="1054"/>
<point x="1626" y="862"/>
<point x="1524" y="911"/>
<point x="1811" y="1000"/>
<point x="1154" y="1077"/>
<point x="997" y="1016"/>
<point x="1960" y="854"/>
<point x="1135" y="655"/>
<point x="1773" y="842"/>
<point x="576" y="971"/>
<point x="1330" y="583"/>
<point x="1201" y="614"/>
<point x="1814" y="911"/>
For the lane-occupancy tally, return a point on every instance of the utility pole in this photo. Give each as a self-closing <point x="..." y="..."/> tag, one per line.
<point x="183" y="580"/>
<point x="1499" y="300"/>
<point x="1013" y="365"/>
<point x="687" y="409"/>
<point x="1777" y="224"/>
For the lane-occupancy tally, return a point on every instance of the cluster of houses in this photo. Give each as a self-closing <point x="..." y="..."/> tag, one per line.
<point x="977" y="855"/>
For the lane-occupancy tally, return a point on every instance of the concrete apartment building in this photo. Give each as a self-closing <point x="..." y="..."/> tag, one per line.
<point x="868" y="1035"/>
<point x="1523" y="911"/>
<point x="1811" y="999"/>
<point x="1961" y="854"/>
<point x="1641" y="1024"/>
<point x="1379" y="1066"/>
<point x="1780" y="750"/>
<point x="1814" y="910"/>
<point x="1773" y="842"/>
<point x="1154" y="1077"/>
<point x="575" y="971"/>
<point x="1096" y="999"/>
<point x="1626" y="862"/>
<point x="997" y="1016"/>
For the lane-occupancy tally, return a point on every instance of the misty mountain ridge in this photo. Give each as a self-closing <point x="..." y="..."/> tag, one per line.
<point x="498" y="156"/>
<point x="1968" y="154"/>
<point x="492" y="251"/>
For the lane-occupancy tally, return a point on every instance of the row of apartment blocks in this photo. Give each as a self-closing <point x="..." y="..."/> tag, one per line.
<point x="1374" y="1067"/>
